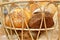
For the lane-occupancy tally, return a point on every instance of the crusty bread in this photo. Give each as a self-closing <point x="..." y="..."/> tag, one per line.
<point x="33" y="6"/>
<point x="17" y="17"/>
<point x="35" y="21"/>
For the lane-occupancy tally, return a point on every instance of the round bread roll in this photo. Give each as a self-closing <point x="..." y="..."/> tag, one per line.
<point x="17" y="17"/>
<point x="17" y="21"/>
<point x="35" y="21"/>
<point x="33" y="6"/>
<point x="27" y="36"/>
<point x="51" y="8"/>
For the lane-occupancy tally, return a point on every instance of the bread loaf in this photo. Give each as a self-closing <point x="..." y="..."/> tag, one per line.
<point x="35" y="21"/>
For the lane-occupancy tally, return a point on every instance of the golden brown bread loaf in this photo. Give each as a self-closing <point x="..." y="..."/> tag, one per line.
<point x="17" y="17"/>
<point x="35" y="21"/>
<point x="17" y="21"/>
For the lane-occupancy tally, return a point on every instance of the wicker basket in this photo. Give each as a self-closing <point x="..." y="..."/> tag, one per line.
<point x="14" y="35"/>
